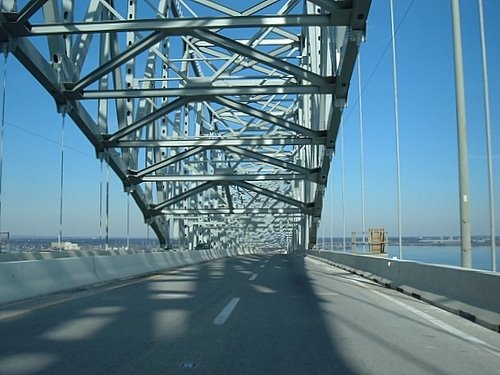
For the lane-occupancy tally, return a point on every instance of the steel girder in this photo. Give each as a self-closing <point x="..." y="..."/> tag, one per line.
<point x="219" y="117"/>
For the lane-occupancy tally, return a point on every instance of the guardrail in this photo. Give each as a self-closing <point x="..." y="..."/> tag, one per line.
<point x="473" y="294"/>
<point x="31" y="278"/>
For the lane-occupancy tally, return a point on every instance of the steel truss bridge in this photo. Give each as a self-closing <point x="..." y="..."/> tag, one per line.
<point x="219" y="117"/>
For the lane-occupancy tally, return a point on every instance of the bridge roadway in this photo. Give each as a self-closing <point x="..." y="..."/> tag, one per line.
<point x="265" y="314"/>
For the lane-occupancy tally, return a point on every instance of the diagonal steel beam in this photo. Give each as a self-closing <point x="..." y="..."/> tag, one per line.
<point x="311" y="174"/>
<point x="185" y="195"/>
<point x="237" y="106"/>
<point x="28" y="10"/>
<point x="306" y="208"/>
<point x="254" y="54"/>
<point x="162" y="111"/>
<point x="165" y="163"/>
<point x="119" y="60"/>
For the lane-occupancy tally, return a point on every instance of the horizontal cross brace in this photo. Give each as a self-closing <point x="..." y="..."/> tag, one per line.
<point x="203" y="91"/>
<point x="225" y="177"/>
<point x="181" y="26"/>
<point x="217" y="142"/>
<point x="236" y="211"/>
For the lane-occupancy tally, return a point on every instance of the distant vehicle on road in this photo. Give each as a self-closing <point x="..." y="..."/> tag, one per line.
<point x="203" y="246"/>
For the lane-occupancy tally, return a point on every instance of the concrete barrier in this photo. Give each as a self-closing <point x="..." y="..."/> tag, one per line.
<point x="30" y="278"/>
<point x="379" y="269"/>
<point x="474" y="294"/>
<point x="24" y="279"/>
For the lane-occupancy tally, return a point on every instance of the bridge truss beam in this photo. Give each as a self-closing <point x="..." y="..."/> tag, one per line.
<point x="219" y="117"/>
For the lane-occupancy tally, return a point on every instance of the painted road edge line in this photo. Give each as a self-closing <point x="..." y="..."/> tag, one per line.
<point x="253" y="277"/>
<point x="226" y="312"/>
<point x="444" y="326"/>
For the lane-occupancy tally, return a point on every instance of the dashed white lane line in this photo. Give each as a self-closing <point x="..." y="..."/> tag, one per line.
<point x="253" y="277"/>
<point x="226" y="312"/>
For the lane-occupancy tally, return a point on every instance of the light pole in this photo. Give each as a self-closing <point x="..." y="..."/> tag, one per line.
<point x="463" y="170"/>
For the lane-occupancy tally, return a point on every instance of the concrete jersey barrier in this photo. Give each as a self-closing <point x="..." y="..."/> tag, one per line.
<point x="31" y="278"/>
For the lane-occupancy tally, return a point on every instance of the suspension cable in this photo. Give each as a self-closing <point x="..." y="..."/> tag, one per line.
<point x="488" y="137"/>
<point x="396" y="123"/>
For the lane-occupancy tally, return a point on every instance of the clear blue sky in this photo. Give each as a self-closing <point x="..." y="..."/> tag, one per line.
<point x="428" y="135"/>
<point x="30" y="196"/>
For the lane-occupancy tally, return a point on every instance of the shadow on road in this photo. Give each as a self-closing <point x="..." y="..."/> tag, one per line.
<point x="165" y="324"/>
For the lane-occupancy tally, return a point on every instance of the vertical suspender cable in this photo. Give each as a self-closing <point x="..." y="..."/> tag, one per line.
<point x="128" y="220"/>
<point x="463" y="162"/>
<point x="107" y="204"/>
<point x="147" y="236"/>
<point x="4" y="95"/>
<point x="488" y="137"/>
<point x="362" y="153"/>
<point x="100" y="200"/>
<point x="342" y="177"/>
<point x="323" y="215"/>
<point x="61" y="186"/>
<point x="332" y="213"/>
<point x="396" y="122"/>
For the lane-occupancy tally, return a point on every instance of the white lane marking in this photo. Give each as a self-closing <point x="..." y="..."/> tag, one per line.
<point x="444" y="326"/>
<point x="253" y="277"/>
<point x="263" y="289"/>
<point x="226" y="311"/>
<point x="326" y="294"/>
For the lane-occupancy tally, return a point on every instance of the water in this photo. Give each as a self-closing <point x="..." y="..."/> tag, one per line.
<point x="447" y="255"/>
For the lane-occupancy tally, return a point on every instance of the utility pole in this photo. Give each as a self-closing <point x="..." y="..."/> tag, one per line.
<point x="463" y="170"/>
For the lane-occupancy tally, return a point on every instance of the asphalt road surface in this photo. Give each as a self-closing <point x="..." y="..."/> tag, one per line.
<point x="266" y="314"/>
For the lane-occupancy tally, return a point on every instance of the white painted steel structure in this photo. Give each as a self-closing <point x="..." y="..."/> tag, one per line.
<point x="220" y="117"/>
